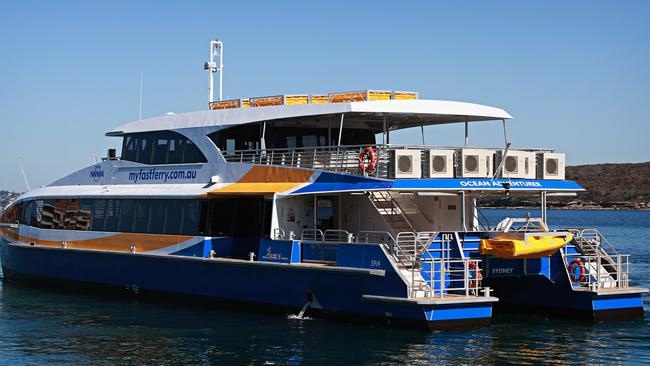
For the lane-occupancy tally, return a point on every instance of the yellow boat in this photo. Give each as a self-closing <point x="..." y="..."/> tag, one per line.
<point x="533" y="245"/>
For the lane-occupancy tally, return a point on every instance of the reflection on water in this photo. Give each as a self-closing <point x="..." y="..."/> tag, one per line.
<point x="40" y="326"/>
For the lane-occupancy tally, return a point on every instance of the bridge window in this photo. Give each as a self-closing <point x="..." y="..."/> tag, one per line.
<point x="160" y="147"/>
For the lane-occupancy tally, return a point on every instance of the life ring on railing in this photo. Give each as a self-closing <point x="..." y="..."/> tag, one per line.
<point x="474" y="281"/>
<point x="577" y="270"/>
<point x="368" y="153"/>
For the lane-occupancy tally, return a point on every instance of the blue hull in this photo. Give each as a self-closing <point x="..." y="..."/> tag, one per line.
<point x="333" y="291"/>
<point x="541" y="285"/>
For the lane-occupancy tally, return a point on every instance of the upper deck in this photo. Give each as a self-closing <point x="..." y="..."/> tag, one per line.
<point x="340" y="132"/>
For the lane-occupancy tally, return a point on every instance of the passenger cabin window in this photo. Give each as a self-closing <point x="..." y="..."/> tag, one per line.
<point x="160" y="147"/>
<point x="248" y="137"/>
<point x="237" y="217"/>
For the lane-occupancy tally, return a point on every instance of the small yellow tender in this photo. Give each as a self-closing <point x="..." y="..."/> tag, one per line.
<point x="531" y="246"/>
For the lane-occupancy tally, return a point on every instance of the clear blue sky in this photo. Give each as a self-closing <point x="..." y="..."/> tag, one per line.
<point x="575" y="75"/>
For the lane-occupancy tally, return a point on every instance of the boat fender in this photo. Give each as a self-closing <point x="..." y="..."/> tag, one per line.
<point x="474" y="274"/>
<point x="577" y="270"/>
<point x="368" y="153"/>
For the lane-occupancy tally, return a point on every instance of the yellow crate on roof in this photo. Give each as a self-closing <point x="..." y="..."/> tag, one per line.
<point x="280" y="100"/>
<point x="296" y="99"/>
<point x="379" y="94"/>
<point x="404" y="95"/>
<point x="318" y="99"/>
<point x="266" y="101"/>
<point x="231" y="103"/>
<point x="359" y="96"/>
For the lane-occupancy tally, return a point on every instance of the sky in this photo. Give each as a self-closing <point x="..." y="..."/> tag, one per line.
<point x="574" y="75"/>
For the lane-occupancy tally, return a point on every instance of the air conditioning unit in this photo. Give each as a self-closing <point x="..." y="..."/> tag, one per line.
<point x="406" y="164"/>
<point x="475" y="163"/>
<point x="517" y="164"/>
<point x="441" y="164"/>
<point x="550" y="165"/>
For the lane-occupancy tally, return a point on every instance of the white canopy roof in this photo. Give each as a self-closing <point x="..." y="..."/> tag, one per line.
<point x="415" y="112"/>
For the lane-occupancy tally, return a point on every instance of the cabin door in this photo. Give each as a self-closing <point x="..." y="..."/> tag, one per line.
<point x="326" y="212"/>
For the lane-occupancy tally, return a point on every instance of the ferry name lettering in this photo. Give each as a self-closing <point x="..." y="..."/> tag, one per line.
<point x="502" y="270"/>
<point x="153" y="174"/>
<point x="499" y="183"/>
<point x="273" y="256"/>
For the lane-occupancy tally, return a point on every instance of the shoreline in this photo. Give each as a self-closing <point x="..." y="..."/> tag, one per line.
<point x="572" y="208"/>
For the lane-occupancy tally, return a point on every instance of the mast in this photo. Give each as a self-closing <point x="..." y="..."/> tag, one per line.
<point x="216" y="50"/>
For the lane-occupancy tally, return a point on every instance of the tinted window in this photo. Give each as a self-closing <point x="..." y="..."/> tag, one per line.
<point x="12" y="213"/>
<point x="99" y="215"/>
<point x="173" y="214"/>
<point x="190" y="217"/>
<point x="160" y="147"/>
<point x="141" y="216"/>
<point x="84" y="214"/>
<point x="157" y="216"/>
<point x="129" y="148"/>
<point x="112" y="215"/>
<point x="126" y="216"/>
<point x="160" y="150"/>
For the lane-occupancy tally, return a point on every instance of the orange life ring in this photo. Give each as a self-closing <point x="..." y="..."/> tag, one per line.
<point x="572" y="270"/>
<point x="474" y="282"/>
<point x="367" y="153"/>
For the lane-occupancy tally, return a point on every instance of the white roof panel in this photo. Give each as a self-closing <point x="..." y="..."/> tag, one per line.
<point x="426" y="111"/>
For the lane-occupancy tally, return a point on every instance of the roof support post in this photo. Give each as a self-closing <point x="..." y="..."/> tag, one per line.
<point x="422" y="130"/>
<point x="341" y="129"/>
<point x="263" y="139"/>
<point x="466" y="133"/>
<point x="385" y="133"/>
<point x="543" y="208"/>
<point x="504" y="152"/>
<point x="463" y="225"/>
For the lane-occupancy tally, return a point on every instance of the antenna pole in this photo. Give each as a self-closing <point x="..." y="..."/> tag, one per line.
<point x="20" y="164"/>
<point x="140" y="96"/>
<point x="216" y="49"/>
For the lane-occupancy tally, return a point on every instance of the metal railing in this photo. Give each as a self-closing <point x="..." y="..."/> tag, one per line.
<point x="330" y="236"/>
<point x="596" y="265"/>
<point x="343" y="159"/>
<point x="454" y="276"/>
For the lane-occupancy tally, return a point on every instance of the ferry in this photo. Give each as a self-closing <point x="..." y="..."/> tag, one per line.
<point x="301" y="203"/>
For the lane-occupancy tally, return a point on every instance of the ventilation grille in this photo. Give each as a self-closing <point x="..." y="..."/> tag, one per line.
<point x="471" y="164"/>
<point x="551" y="165"/>
<point x="511" y="164"/>
<point x="439" y="164"/>
<point x="405" y="164"/>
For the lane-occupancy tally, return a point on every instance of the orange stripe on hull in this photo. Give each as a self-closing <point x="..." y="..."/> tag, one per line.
<point x="121" y="242"/>
<point x="266" y="179"/>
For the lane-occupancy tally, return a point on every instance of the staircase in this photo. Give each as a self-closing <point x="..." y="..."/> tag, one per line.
<point x="589" y="244"/>
<point x="391" y="212"/>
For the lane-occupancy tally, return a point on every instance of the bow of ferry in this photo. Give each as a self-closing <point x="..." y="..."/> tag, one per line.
<point x="302" y="203"/>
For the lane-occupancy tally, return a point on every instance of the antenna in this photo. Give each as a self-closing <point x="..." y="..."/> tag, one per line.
<point x="22" y="171"/>
<point x="216" y="50"/>
<point x="140" y="96"/>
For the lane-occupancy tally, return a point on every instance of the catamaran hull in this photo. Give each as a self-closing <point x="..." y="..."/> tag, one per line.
<point x="541" y="285"/>
<point x="357" y="294"/>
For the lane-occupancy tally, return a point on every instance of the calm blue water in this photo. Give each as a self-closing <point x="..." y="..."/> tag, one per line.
<point x="39" y="326"/>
